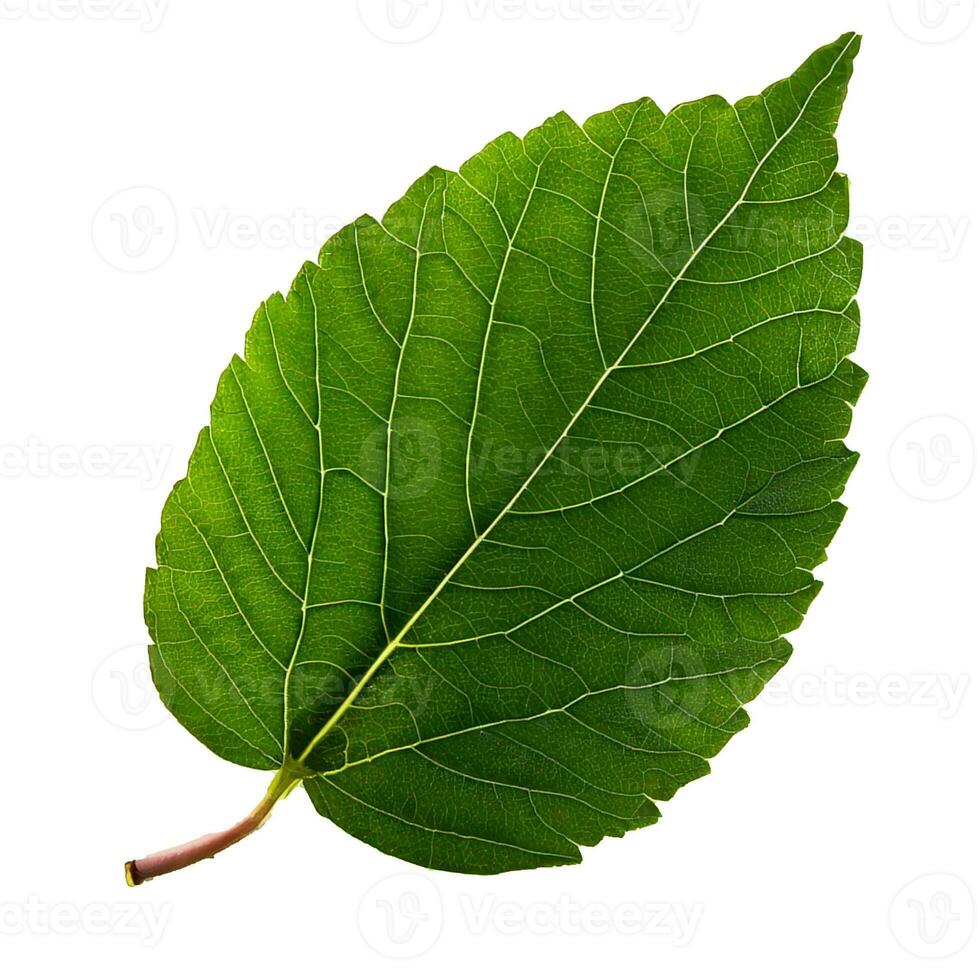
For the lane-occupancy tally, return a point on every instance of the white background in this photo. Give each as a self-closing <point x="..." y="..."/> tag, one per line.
<point x="837" y="834"/>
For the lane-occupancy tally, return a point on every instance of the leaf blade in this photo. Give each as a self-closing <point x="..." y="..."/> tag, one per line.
<point x="507" y="310"/>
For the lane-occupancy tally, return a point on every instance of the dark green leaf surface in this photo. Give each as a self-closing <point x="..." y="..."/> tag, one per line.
<point x="509" y="505"/>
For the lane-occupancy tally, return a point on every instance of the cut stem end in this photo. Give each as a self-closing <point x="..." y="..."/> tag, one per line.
<point x="183" y="855"/>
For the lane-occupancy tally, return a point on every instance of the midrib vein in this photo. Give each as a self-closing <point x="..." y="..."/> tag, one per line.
<point x="395" y="642"/>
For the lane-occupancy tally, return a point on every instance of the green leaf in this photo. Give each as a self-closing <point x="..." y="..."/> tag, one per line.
<point x="509" y="505"/>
